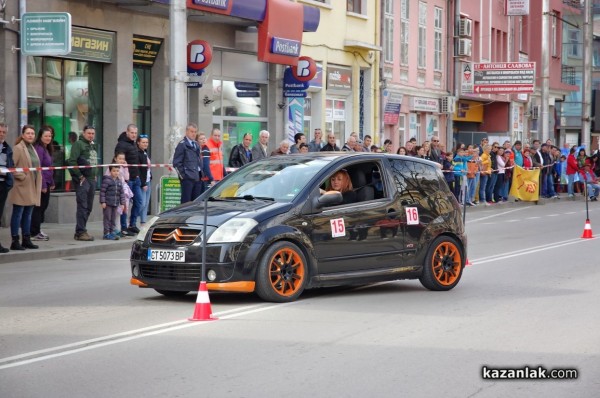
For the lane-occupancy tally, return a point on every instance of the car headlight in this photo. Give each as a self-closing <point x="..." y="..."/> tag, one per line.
<point x="144" y="230"/>
<point x="234" y="230"/>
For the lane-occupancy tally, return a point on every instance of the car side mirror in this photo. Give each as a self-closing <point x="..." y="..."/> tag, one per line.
<point x="330" y="198"/>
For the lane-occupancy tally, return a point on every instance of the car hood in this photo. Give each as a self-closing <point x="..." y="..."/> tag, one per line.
<point x="221" y="211"/>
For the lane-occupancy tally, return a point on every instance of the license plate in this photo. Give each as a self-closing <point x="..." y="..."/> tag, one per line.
<point x="175" y="256"/>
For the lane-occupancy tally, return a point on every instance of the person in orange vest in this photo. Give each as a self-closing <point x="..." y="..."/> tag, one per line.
<point x="214" y="144"/>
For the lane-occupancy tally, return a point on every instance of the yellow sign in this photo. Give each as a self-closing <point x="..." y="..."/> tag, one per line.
<point x="468" y="111"/>
<point x="525" y="184"/>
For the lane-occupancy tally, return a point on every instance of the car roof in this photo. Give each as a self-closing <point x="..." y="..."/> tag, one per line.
<point x="354" y="155"/>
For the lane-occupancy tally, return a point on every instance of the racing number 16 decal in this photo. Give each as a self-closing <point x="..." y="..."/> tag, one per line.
<point x="337" y="227"/>
<point x="412" y="216"/>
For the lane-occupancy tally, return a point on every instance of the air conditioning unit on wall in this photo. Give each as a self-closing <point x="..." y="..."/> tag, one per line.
<point x="464" y="48"/>
<point x="465" y="27"/>
<point x="447" y="104"/>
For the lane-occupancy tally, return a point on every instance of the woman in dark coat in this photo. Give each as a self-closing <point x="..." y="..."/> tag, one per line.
<point x="44" y="148"/>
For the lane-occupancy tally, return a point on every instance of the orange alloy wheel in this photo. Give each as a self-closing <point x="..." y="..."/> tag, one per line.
<point x="446" y="263"/>
<point x="286" y="272"/>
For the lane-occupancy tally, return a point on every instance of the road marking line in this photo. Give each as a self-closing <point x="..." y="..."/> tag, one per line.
<point x="529" y="250"/>
<point x="498" y="214"/>
<point x="85" y="345"/>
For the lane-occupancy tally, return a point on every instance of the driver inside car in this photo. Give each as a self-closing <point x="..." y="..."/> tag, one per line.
<point x="340" y="182"/>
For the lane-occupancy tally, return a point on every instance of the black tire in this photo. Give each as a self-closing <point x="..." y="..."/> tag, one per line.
<point x="171" y="293"/>
<point x="443" y="265"/>
<point x="282" y="273"/>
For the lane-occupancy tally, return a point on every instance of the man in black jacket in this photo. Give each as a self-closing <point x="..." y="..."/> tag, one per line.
<point x="241" y="153"/>
<point x="126" y="144"/>
<point x="330" y="146"/>
<point x="186" y="161"/>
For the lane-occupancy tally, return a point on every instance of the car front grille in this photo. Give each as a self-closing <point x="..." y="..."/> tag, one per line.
<point x="174" y="236"/>
<point x="173" y="272"/>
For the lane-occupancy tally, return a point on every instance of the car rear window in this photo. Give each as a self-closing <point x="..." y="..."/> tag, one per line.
<point x="414" y="180"/>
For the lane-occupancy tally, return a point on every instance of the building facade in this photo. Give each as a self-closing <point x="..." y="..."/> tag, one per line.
<point x="415" y="69"/>
<point x="118" y="73"/>
<point x="344" y="96"/>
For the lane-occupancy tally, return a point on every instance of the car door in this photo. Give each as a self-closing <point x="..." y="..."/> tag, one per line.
<point x="360" y="236"/>
<point x="417" y="189"/>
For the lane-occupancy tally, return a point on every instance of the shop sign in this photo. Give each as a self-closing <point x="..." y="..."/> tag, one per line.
<point x="46" y="33"/>
<point x="295" y="122"/>
<point x="280" y="33"/>
<point x="516" y="7"/>
<point x="393" y="102"/>
<point x="467" y="78"/>
<point x="297" y="79"/>
<point x="294" y="94"/>
<point x="199" y="56"/>
<point x="285" y="47"/>
<point x="317" y="81"/>
<point x="339" y="110"/>
<point x="256" y="10"/>
<point x="504" y="77"/>
<point x="218" y="4"/>
<point x="468" y="111"/>
<point x="246" y="86"/>
<point x="339" y="78"/>
<point x="145" y="49"/>
<point x="247" y="94"/>
<point x="170" y="192"/>
<point x="290" y="82"/>
<point x="306" y="69"/>
<point x="247" y="90"/>
<point x="92" y="45"/>
<point x="422" y="104"/>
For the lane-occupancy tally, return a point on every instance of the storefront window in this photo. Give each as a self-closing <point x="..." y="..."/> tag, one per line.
<point x="241" y="99"/>
<point x="66" y="96"/>
<point x="335" y="119"/>
<point x="141" y="99"/>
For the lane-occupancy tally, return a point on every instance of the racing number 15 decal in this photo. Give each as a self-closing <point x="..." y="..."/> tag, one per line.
<point x="412" y="216"/>
<point x="337" y="227"/>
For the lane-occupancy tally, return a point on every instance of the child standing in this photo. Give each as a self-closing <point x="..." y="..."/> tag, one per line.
<point x="112" y="197"/>
<point x="119" y="158"/>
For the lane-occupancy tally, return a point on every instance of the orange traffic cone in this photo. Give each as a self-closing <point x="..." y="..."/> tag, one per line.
<point x="587" y="230"/>
<point x="202" y="310"/>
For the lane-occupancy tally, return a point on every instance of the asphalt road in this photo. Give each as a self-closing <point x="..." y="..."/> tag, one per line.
<point x="74" y="327"/>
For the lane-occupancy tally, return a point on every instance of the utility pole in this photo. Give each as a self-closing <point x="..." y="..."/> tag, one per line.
<point x="543" y="129"/>
<point x="178" y="106"/>
<point x="457" y="75"/>
<point x="586" y="106"/>
<point x="23" y="113"/>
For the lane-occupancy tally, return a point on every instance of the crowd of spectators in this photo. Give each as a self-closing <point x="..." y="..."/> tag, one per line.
<point x="483" y="172"/>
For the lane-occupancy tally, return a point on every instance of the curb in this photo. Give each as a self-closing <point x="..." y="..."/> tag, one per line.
<point x="77" y="249"/>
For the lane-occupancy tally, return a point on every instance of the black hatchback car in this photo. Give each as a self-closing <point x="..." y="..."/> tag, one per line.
<point x="274" y="229"/>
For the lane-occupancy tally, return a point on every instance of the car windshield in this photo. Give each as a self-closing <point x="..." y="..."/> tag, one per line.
<point x="279" y="179"/>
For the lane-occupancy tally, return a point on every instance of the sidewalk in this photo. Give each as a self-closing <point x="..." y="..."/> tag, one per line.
<point x="62" y="244"/>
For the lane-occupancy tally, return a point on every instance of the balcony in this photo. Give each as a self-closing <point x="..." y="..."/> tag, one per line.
<point x="568" y="75"/>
